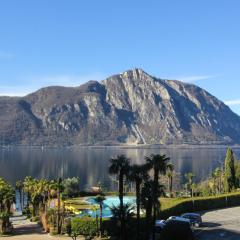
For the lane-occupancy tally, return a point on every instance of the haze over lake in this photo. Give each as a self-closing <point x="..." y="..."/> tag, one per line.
<point x="91" y="164"/>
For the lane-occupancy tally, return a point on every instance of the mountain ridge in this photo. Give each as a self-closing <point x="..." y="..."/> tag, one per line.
<point x="127" y="108"/>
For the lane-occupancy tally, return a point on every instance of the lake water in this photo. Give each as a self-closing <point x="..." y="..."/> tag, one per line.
<point x="91" y="164"/>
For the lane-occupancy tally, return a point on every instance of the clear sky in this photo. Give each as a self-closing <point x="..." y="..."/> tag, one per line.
<point x="67" y="42"/>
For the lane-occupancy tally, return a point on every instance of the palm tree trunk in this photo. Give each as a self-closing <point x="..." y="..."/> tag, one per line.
<point x="20" y="198"/>
<point x="97" y="222"/>
<point x="23" y="199"/>
<point x="58" y="212"/>
<point x="156" y="174"/>
<point x="138" y="208"/>
<point x="123" y="234"/>
<point x="171" y="186"/>
<point x="148" y="219"/>
<point x="100" y="220"/>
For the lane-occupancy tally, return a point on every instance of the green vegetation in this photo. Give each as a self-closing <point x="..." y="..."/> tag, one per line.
<point x="177" y="206"/>
<point x="137" y="174"/>
<point x="7" y="197"/>
<point x="71" y="187"/>
<point x="222" y="180"/>
<point x="99" y="200"/>
<point x="159" y="164"/>
<point x="120" y="166"/>
<point x="229" y="174"/>
<point x="190" y="185"/>
<point x="85" y="226"/>
<point x="57" y="203"/>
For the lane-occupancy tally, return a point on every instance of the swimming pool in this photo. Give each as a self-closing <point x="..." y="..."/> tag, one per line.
<point x="108" y="203"/>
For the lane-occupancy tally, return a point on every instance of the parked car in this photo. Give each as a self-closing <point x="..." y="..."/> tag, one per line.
<point x="159" y="225"/>
<point x="182" y="226"/>
<point x="181" y="219"/>
<point x="195" y="218"/>
<point x="176" y="229"/>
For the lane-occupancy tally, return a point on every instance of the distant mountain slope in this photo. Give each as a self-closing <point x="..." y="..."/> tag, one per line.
<point x="131" y="108"/>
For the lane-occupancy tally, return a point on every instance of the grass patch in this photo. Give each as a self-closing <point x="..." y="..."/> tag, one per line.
<point x="177" y="206"/>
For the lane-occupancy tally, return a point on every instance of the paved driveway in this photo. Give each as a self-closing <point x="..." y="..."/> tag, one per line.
<point x="221" y="224"/>
<point x="23" y="229"/>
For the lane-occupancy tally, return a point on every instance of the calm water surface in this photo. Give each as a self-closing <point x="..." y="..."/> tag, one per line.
<point x="91" y="164"/>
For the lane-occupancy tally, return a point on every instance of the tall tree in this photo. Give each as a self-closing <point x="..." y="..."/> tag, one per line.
<point x="159" y="165"/>
<point x="229" y="171"/>
<point x="7" y="196"/>
<point x="99" y="200"/>
<point x="137" y="174"/>
<point x="147" y="195"/>
<point x="27" y="188"/>
<point x="189" y="176"/>
<point x="170" y="168"/>
<point x="120" y="166"/>
<point x="217" y="177"/>
<point x="19" y="188"/>
<point x="59" y="191"/>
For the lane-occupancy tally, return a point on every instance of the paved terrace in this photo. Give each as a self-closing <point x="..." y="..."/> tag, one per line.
<point x="223" y="224"/>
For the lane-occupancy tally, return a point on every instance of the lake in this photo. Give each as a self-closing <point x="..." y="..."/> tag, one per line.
<point x="90" y="164"/>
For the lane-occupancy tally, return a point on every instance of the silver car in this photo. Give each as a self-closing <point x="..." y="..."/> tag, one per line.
<point x="195" y="218"/>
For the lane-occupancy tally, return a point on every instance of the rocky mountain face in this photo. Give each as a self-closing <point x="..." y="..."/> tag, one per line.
<point x="128" y="108"/>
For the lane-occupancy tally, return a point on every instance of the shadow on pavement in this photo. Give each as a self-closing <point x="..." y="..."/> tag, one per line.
<point x="28" y="229"/>
<point x="210" y="225"/>
<point x="217" y="234"/>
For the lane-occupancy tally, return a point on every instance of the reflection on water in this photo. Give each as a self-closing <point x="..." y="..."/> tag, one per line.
<point x="91" y="164"/>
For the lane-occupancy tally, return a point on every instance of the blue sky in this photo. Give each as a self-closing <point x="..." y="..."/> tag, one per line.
<point x="67" y="42"/>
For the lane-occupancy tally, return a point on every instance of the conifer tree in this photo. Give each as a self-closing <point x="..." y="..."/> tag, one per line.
<point x="229" y="173"/>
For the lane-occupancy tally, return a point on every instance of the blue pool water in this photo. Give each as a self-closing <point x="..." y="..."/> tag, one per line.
<point x="107" y="205"/>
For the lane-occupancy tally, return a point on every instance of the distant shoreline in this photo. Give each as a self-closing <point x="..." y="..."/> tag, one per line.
<point x="121" y="146"/>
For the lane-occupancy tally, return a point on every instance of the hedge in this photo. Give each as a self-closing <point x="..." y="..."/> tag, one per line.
<point x="85" y="226"/>
<point x="174" y="207"/>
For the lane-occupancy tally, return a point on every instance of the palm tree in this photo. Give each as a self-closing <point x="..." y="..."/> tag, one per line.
<point x="94" y="208"/>
<point x="99" y="199"/>
<point x="170" y="168"/>
<point x="120" y="166"/>
<point x="126" y="212"/>
<point x="19" y="188"/>
<point x="7" y="196"/>
<point x="147" y="199"/>
<point x="59" y="187"/>
<point x="137" y="174"/>
<point x="159" y="165"/>
<point x="189" y="176"/>
<point x="27" y="188"/>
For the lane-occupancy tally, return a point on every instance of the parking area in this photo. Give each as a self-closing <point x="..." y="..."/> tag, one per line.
<point x="220" y="224"/>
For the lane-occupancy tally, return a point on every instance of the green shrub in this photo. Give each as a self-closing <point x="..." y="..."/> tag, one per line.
<point x="71" y="187"/>
<point x="85" y="226"/>
<point x="5" y="225"/>
<point x="35" y="219"/>
<point x="26" y="211"/>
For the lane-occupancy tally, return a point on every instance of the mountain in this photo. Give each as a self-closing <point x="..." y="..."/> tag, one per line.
<point x="129" y="108"/>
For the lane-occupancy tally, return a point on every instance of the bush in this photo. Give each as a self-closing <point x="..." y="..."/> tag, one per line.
<point x="85" y="226"/>
<point x="35" y="219"/>
<point x="71" y="187"/>
<point x="5" y="225"/>
<point x="26" y="211"/>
